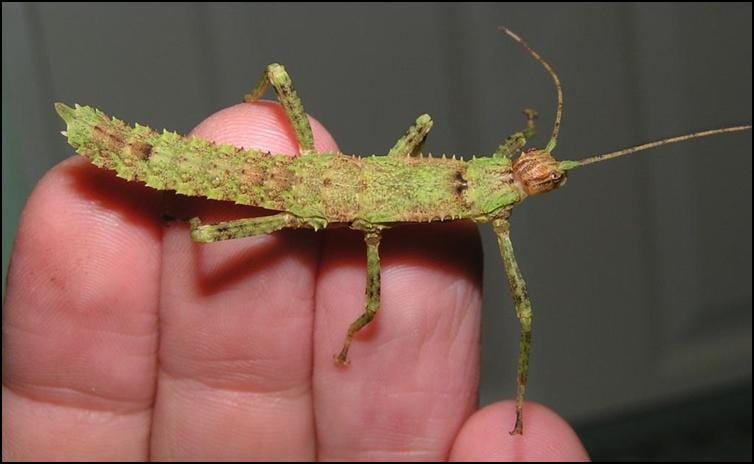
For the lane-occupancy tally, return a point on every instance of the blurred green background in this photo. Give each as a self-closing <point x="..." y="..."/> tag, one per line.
<point x="640" y="269"/>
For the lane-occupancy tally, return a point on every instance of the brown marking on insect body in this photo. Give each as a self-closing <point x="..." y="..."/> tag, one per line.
<point x="373" y="290"/>
<point x="279" y="179"/>
<point x="281" y="90"/>
<point x="459" y="183"/>
<point x="520" y="296"/>
<point x="107" y="138"/>
<point x="251" y="175"/>
<point x="140" y="150"/>
<point x="221" y="231"/>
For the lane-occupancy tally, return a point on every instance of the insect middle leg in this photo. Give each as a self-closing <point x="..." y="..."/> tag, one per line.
<point x="411" y="143"/>
<point x="372" y="236"/>
<point x="516" y="142"/>
<point x="523" y="313"/>
<point x="247" y="227"/>
<point x="276" y="75"/>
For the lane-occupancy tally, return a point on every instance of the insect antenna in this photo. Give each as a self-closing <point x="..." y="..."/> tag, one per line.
<point x="559" y="113"/>
<point x="566" y="165"/>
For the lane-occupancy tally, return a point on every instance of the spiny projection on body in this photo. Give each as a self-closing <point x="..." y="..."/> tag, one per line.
<point x="370" y="194"/>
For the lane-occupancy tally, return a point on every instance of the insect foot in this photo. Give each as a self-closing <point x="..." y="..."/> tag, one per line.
<point x="372" y="237"/>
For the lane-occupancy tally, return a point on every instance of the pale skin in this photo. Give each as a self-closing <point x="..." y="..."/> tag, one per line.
<point x="123" y="339"/>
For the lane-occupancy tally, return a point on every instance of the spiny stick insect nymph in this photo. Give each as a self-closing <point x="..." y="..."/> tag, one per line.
<point x="368" y="194"/>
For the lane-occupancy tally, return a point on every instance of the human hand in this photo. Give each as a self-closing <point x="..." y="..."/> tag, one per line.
<point x="124" y="340"/>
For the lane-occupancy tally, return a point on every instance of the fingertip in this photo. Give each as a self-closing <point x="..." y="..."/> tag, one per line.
<point x="261" y="125"/>
<point x="547" y="437"/>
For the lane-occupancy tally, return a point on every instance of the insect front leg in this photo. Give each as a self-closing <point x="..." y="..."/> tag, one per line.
<point x="276" y="75"/>
<point x="372" y="237"/>
<point x="523" y="313"/>
<point x="411" y="143"/>
<point x="515" y="143"/>
<point x="248" y="227"/>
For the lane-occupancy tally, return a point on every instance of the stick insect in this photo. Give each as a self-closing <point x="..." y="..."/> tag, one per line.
<point x="368" y="194"/>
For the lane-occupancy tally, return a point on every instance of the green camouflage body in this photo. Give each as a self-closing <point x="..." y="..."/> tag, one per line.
<point x="331" y="186"/>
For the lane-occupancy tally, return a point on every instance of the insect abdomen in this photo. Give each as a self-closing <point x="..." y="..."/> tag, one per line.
<point x="167" y="161"/>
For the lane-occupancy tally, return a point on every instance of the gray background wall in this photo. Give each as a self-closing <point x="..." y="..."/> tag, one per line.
<point x="640" y="270"/>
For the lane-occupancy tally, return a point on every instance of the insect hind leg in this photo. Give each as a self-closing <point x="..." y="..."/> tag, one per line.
<point x="516" y="142"/>
<point x="411" y="142"/>
<point x="249" y="227"/>
<point x="372" y="237"/>
<point x="276" y="75"/>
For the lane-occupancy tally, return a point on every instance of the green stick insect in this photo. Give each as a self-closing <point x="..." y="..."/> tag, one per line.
<point x="369" y="194"/>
